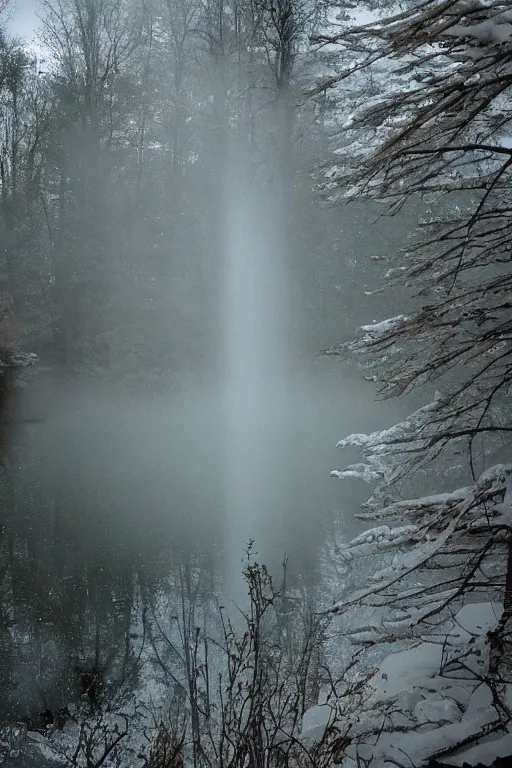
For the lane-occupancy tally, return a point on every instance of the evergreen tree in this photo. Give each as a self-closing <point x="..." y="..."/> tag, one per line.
<point x="437" y="131"/>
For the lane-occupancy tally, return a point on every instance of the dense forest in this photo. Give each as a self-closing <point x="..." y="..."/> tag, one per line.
<point x="232" y="234"/>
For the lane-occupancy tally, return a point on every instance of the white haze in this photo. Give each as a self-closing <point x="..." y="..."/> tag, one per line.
<point x="143" y="473"/>
<point x="257" y="385"/>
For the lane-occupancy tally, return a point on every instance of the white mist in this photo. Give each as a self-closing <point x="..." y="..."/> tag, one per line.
<point x="257" y="402"/>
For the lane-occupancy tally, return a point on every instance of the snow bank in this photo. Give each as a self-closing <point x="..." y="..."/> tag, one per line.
<point x="417" y="704"/>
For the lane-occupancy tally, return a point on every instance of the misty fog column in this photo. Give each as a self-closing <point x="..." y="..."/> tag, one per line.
<point x="256" y="378"/>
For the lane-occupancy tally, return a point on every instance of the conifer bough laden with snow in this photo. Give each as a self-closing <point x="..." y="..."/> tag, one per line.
<point x="437" y="130"/>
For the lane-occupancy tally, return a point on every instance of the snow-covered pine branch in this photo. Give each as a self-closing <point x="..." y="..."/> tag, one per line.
<point x="421" y="111"/>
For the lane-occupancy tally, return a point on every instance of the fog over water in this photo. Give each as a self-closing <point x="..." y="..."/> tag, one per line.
<point x="135" y="475"/>
<point x="244" y="454"/>
<point x="175" y="259"/>
<point x="219" y="242"/>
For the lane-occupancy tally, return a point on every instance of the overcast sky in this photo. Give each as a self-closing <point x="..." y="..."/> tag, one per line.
<point x="22" y="18"/>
